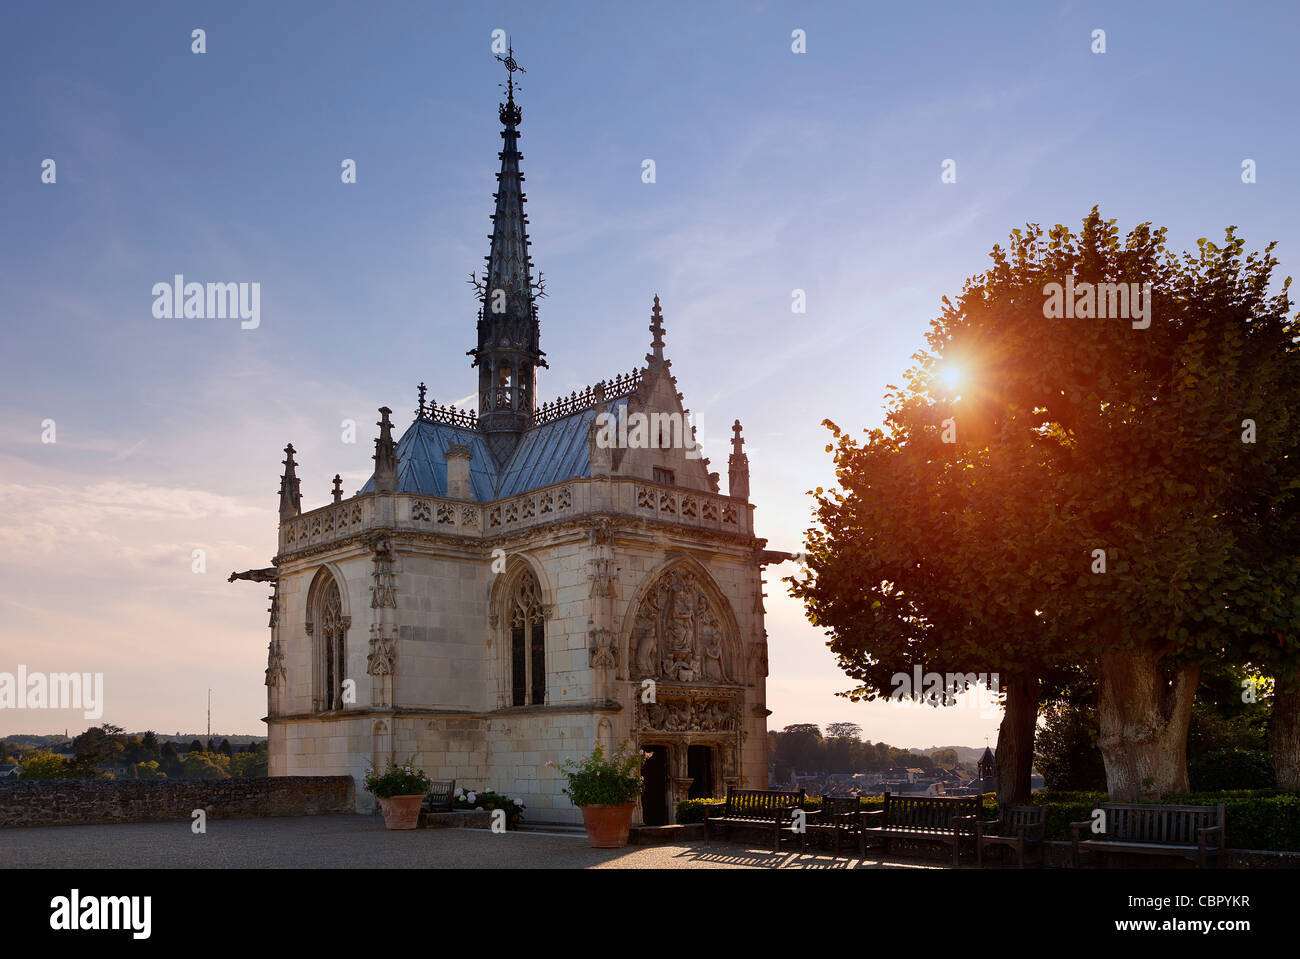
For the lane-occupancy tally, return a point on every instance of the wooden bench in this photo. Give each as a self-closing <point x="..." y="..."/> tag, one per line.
<point x="750" y="807"/>
<point x="1193" y="832"/>
<point x="439" y="796"/>
<point x="1021" y="828"/>
<point x="947" y="819"/>
<point x="841" y="815"/>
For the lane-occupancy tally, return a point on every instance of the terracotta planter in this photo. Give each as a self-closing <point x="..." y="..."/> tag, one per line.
<point x="401" y="812"/>
<point x="607" y="826"/>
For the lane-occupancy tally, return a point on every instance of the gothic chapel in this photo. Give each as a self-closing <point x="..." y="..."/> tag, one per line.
<point x="499" y="589"/>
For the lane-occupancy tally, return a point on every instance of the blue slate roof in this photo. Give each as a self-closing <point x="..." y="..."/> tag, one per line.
<point x="546" y="454"/>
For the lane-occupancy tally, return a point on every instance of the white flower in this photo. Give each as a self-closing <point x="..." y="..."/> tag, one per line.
<point x="459" y="792"/>
<point x="519" y="802"/>
<point x="471" y="797"/>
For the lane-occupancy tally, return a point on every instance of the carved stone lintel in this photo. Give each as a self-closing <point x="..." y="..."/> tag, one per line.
<point x="688" y="714"/>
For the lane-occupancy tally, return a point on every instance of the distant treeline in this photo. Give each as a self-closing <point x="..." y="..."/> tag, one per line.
<point x="107" y="752"/>
<point x="802" y="747"/>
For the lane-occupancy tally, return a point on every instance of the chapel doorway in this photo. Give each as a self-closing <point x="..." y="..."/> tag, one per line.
<point x="699" y="766"/>
<point x="654" y="795"/>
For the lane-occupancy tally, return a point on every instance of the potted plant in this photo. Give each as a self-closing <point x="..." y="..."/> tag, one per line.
<point x="400" y="791"/>
<point x="606" y="790"/>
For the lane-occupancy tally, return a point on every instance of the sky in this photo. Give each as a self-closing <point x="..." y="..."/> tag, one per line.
<point x="775" y="171"/>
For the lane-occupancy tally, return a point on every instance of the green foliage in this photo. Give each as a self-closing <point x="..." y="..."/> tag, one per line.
<point x="404" y="780"/>
<point x="1074" y="435"/>
<point x="1231" y="768"/>
<point x="43" y="764"/>
<point x="1227" y="742"/>
<point x="1256" y="818"/>
<point x="1065" y="749"/>
<point x="600" y="781"/>
<point x="486" y="799"/>
<point x="96" y="746"/>
<point x="248" y="765"/>
<point x="205" y="765"/>
<point x="945" y="758"/>
<point x="149" y="770"/>
<point x="801" y="747"/>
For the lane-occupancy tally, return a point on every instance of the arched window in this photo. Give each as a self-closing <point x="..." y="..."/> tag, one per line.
<point x="527" y="643"/>
<point x="331" y="648"/>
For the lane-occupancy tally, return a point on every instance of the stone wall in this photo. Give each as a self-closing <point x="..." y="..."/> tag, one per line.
<point x="85" y="802"/>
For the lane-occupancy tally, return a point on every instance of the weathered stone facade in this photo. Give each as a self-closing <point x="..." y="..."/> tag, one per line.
<point x="511" y="587"/>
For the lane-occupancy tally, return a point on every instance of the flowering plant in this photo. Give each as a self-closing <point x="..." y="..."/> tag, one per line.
<point x="404" y="780"/>
<point x="605" y="781"/>
<point x="486" y="799"/>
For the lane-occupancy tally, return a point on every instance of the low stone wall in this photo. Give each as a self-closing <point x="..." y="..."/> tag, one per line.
<point x="86" y="802"/>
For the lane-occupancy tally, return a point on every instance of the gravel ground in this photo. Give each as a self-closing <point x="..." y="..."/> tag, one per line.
<point x="335" y="842"/>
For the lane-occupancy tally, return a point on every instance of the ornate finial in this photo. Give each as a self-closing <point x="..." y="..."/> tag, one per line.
<point x="338" y="488"/>
<point x="737" y="466"/>
<point x="385" y="455"/>
<point x="657" y="328"/>
<point x="420" y="411"/>
<point x="290" y="494"/>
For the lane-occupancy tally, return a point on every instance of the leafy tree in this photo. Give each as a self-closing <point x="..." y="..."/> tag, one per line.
<point x="149" y="770"/>
<point x="945" y="758"/>
<point x="1096" y="505"/>
<point x="205" y="765"/>
<point x="800" y="746"/>
<point x="224" y="748"/>
<point x="1066" y="751"/>
<point x="194" y="747"/>
<point x="249" y="765"/>
<point x="843" y="731"/>
<point x="96" y="746"/>
<point x="43" y="764"/>
<point x="150" y="742"/>
<point x="170" y="760"/>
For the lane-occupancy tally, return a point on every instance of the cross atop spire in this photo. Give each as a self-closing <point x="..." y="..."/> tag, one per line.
<point x="511" y="66"/>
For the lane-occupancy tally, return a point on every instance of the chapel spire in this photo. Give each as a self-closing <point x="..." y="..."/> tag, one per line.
<point x="509" y="343"/>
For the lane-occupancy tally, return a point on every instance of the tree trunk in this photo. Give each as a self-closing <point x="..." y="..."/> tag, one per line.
<point x="1284" y="733"/>
<point x="1143" y="717"/>
<point x="1015" y="753"/>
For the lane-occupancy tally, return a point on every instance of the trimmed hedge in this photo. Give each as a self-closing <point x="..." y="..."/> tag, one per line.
<point x="1256" y="818"/>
